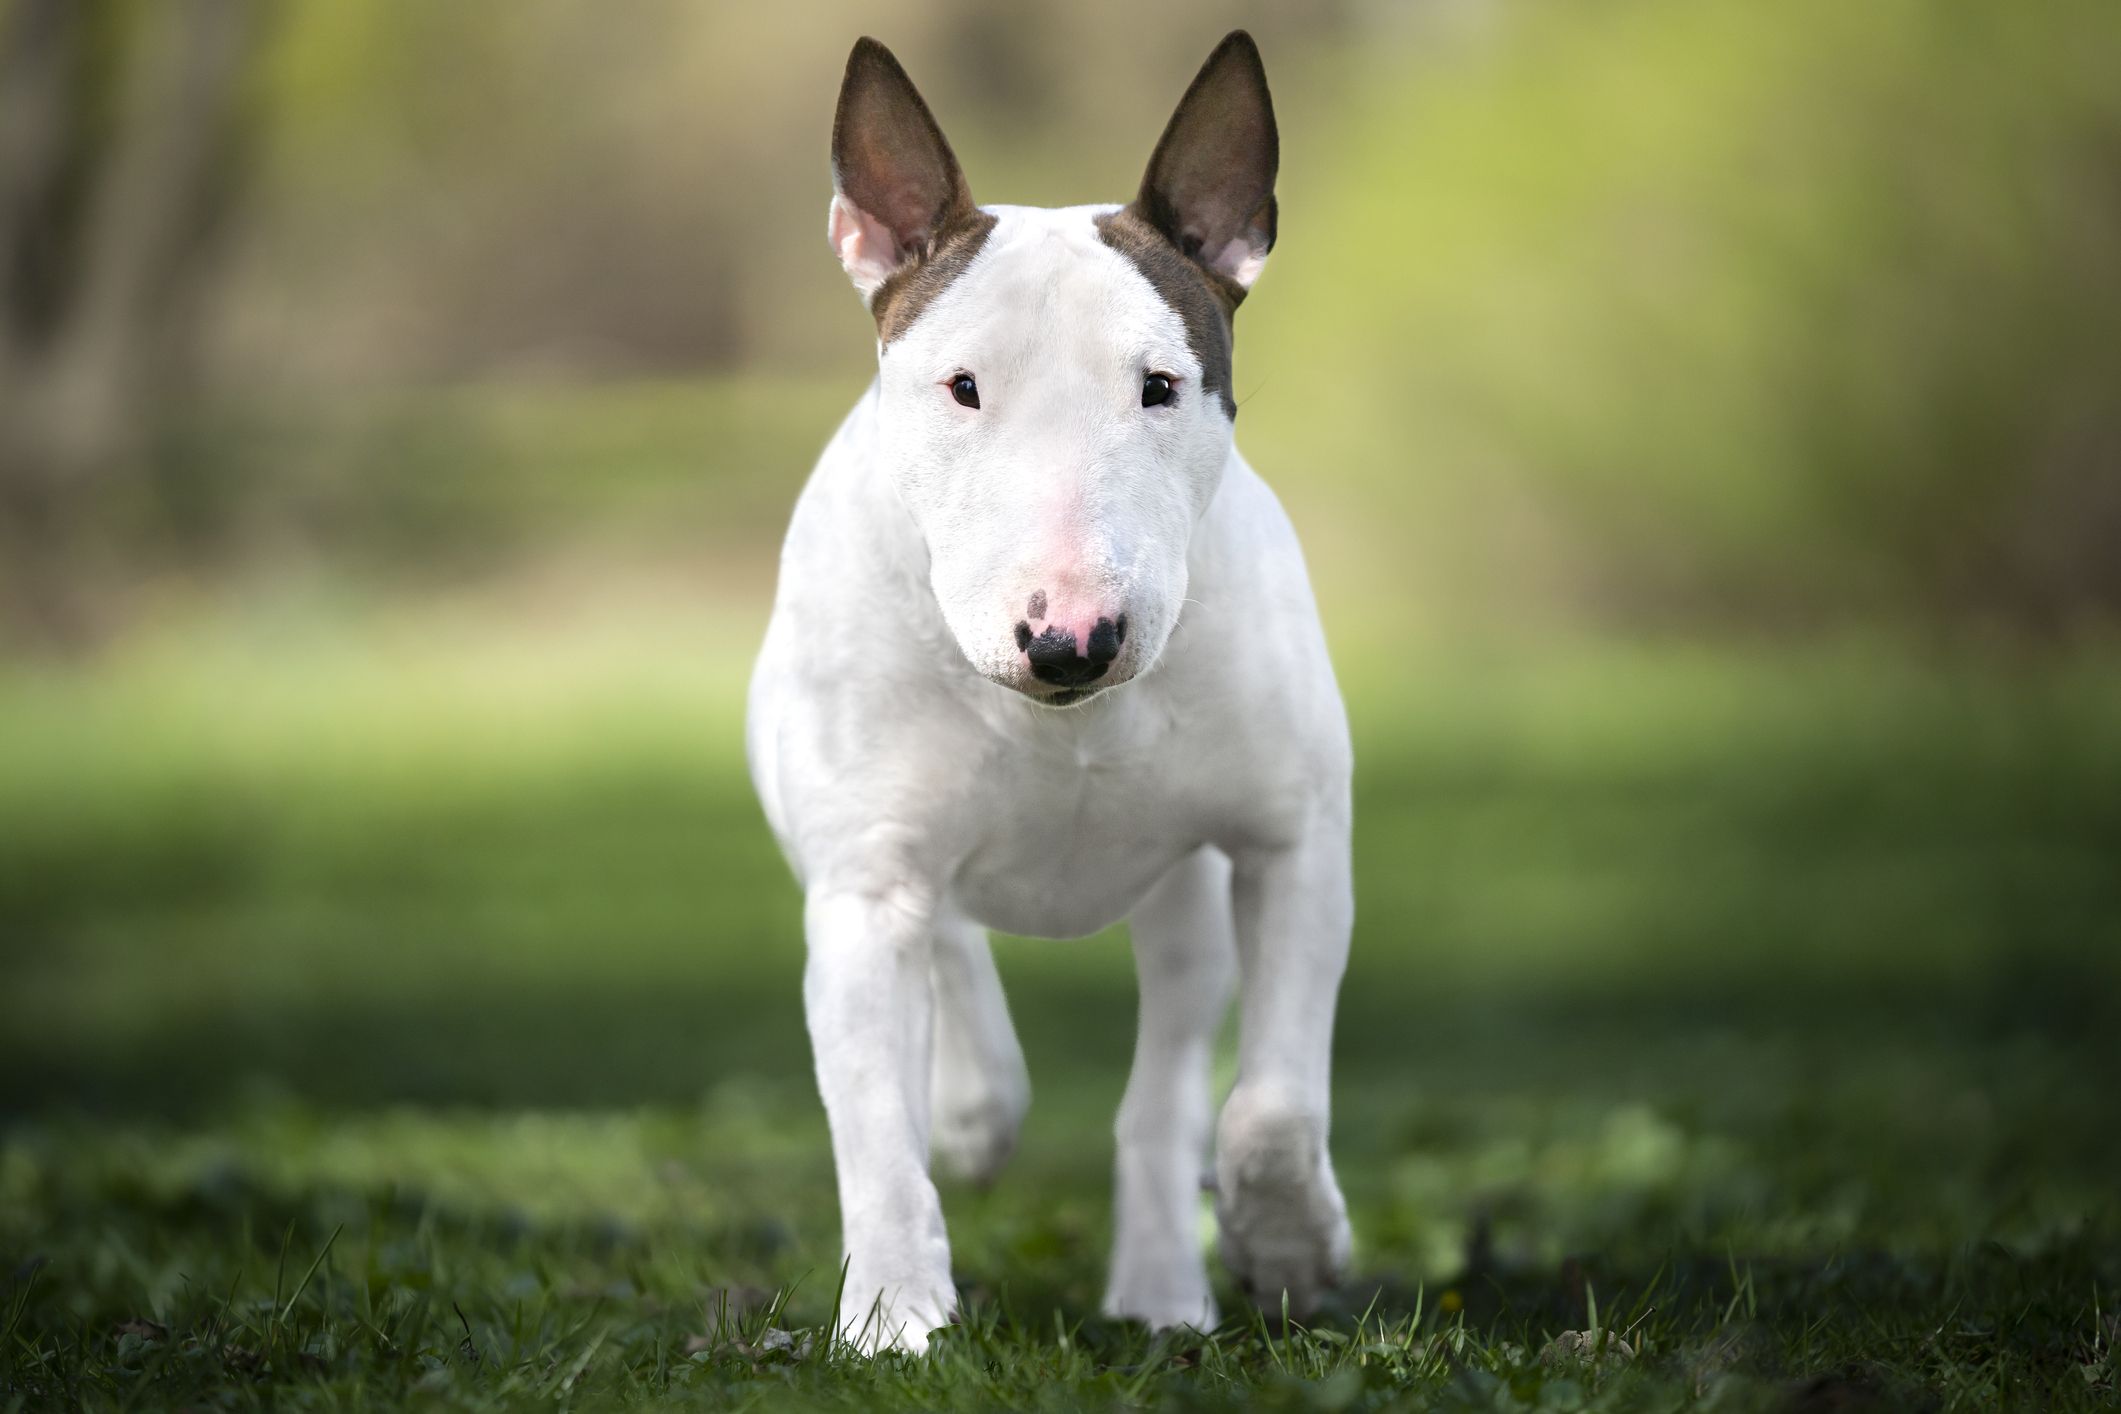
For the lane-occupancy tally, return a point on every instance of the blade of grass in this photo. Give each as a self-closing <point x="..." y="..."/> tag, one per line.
<point x="303" y="1286"/>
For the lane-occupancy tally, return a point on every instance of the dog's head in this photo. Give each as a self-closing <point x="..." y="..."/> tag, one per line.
<point x="1054" y="386"/>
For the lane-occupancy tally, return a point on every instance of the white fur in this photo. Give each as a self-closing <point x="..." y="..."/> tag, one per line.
<point x="924" y="792"/>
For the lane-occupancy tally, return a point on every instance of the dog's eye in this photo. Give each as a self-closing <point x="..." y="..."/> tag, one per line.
<point x="965" y="390"/>
<point x="1156" y="390"/>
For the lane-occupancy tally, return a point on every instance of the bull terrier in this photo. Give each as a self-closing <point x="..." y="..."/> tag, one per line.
<point x="1044" y="656"/>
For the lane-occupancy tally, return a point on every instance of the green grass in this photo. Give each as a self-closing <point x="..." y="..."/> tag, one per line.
<point x="415" y="1022"/>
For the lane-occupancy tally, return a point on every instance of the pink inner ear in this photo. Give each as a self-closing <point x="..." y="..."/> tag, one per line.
<point x="864" y="245"/>
<point x="1240" y="260"/>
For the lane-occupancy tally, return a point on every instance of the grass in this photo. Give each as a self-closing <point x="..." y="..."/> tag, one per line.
<point x="415" y="1023"/>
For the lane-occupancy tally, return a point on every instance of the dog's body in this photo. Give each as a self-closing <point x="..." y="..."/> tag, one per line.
<point x="997" y="537"/>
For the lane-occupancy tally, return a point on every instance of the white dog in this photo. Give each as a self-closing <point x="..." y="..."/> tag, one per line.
<point x="1044" y="656"/>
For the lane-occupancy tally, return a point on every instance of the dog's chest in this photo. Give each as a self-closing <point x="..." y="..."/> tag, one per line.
<point x="1069" y="831"/>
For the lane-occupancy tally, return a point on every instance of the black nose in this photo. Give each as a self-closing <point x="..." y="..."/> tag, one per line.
<point x="1054" y="657"/>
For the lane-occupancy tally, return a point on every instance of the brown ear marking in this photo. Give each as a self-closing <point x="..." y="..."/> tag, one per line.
<point x="891" y="160"/>
<point x="913" y="286"/>
<point x="1203" y="300"/>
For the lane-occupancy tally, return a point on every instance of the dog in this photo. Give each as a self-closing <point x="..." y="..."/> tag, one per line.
<point x="1044" y="656"/>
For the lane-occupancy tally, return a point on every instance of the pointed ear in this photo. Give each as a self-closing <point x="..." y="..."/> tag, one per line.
<point x="1210" y="183"/>
<point x="896" y="185"/>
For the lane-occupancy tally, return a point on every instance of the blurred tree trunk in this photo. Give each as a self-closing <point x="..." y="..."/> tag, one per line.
<point x="122" y="145"/>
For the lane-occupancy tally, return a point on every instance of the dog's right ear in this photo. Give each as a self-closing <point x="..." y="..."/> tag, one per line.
<point x="896" y="185"/>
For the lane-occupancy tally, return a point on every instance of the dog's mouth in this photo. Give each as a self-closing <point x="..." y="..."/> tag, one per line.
<point x="1040" y="694"/>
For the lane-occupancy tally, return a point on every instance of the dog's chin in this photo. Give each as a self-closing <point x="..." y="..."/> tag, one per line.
<point x="1068" y="696"/>
<point x="1046" y="694"/>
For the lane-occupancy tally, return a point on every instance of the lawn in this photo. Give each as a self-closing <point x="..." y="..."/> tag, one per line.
<point x="414" y="1021"/>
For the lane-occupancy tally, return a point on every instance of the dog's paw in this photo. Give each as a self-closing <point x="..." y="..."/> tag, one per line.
<point x="876" y="1316"/>
<point x="976" y="1122"/>
<point x="1283" y="1224"/>
<point x="1162" y="1305"/>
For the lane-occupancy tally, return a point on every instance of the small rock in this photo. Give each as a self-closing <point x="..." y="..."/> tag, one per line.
<point x="1586" y="1345"/>
<point x="770" y="1342"/>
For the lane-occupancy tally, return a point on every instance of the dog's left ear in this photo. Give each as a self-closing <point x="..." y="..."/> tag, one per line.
<point x="896" y="185"/>
<point x="1210" y="183"/>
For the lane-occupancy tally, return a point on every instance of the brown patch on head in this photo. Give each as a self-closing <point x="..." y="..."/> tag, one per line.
<point x="1203" y="300"/>
<point x="913" y="286"/>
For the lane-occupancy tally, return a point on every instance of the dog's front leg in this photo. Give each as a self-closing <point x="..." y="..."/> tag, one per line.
<point x="1186" y="960"/>
<point x="866" y="993"/>
<point x="1284" y="1227"/>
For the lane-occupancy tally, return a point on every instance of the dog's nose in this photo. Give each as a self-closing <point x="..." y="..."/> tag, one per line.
<point x="1056" y="659"/>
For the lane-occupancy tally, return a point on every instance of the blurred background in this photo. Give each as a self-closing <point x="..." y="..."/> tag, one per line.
<point x="1704" y="420"/>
